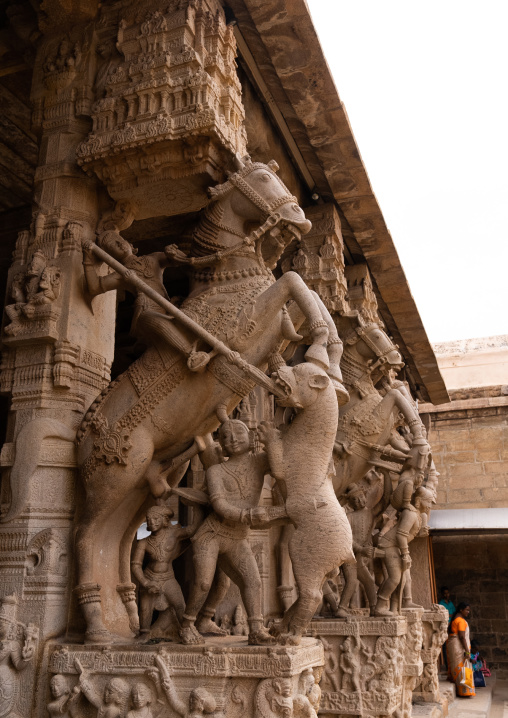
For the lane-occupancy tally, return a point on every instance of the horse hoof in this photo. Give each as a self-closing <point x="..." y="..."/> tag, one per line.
<point x="261" y="638"/>
<point x="289" y="639"/>
<point x="288" y="331"/>
<point x="190" y="636"/>
<point x="340" y="389"/>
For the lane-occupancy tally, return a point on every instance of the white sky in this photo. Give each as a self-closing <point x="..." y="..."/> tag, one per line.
<point x="425" y="87"/>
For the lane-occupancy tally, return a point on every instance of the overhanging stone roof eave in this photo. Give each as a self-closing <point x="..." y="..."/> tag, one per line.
<point x="281" y="37"/>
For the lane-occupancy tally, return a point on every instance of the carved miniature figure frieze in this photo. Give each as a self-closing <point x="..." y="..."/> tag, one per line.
<point x="18" y="645"/>
<point x="168" y="105"/>
<point x="364" y="665"/>
<point x="188" y="681"/>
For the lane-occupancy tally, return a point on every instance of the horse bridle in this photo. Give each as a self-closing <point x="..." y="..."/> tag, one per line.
<point x="362" y="332"/>
<point x="268" y="209"/>
<point x="242" y="186"/>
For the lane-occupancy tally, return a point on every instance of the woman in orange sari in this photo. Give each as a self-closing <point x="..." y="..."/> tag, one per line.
<point x="458" y="650"/>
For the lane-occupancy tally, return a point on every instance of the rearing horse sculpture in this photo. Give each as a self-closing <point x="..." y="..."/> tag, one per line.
<point x="366" y="422"/>
<point x="153" y="411"/>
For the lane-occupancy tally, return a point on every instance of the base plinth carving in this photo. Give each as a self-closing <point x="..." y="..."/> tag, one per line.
<point x="364" y="665"/>
<point x="232" y="674"/>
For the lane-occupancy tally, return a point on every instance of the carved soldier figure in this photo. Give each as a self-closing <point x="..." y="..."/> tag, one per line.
<point x="240" y="626"/>
<point x="235" y="488"/>
<point x="331" y="668"/>
<point x="64" y="703"/>
<point x="201" y="702"/>
<point x="150" y="323"/>
<point x="142" y="699"/>
<point x="159" y="588"/>
<point x="113" y="703"/>
<point x="395" y="544"/>
<point x="362" y="519"/>
<point x="350" y="665"/>
<point x="330" y="597"/>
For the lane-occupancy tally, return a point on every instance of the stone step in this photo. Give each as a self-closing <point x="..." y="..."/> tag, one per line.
<point x="447" y="690"/>
<point x="428" y="710"/>
<point x="476" y="707"/>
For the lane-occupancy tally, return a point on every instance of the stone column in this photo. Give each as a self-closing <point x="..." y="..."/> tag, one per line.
<point x="413" y="666"/>
<point x="57" y="348"/>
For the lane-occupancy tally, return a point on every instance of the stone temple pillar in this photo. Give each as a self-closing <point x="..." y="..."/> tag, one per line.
<point x="57" y="350"/>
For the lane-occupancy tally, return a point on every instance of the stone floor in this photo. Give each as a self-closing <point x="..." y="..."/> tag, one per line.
<point x="489" y="702"/>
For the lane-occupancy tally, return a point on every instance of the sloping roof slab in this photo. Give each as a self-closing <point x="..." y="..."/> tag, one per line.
<point x="282" y="39"/>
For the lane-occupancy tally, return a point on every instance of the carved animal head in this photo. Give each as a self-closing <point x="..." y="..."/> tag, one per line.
<point x="368" y="350"/>
<point x="302" y="384"/>
<point x="258" y="193"/>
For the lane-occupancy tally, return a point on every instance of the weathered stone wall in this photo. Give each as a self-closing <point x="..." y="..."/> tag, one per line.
<point x="470" y="449"/>
<point x="475" y="568"/>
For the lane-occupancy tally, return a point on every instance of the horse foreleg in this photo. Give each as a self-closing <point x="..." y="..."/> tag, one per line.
<point x="397" y="399"/>
<point x="335" y="348"/>
<point x="291" y="286"/>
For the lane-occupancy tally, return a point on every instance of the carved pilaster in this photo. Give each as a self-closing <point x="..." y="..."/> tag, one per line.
<point x="364" y="665"/>
<point x="413" y="666"/>
<point x="57" y="352"/>
<point x="435" y="633"/>
<point x="319" y="258"/>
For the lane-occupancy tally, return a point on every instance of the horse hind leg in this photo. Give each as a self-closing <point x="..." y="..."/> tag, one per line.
<point x="162" y="476"/>
<point x="299" y="614"/>
<point x="88" y="591"/>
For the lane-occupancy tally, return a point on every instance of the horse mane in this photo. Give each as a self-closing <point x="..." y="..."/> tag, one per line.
<point x="206" y="232"/>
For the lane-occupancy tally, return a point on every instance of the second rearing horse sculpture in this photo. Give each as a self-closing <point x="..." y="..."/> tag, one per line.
<point x="152" y="412"/>
<point x="367" y="421"/>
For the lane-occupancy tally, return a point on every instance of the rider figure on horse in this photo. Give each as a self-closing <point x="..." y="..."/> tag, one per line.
<point x="150" y="323"/>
